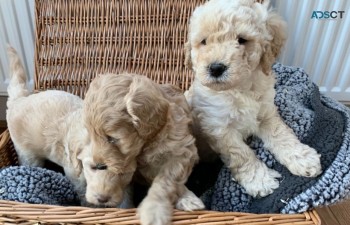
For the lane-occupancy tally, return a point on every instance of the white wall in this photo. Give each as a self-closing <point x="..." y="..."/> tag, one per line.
<point x="320" y="46"/>
<point x="16" y="29"/>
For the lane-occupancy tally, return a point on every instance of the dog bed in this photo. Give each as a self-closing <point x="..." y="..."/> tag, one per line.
<point x="319" y="122"/>
<point x="36" y="186"/>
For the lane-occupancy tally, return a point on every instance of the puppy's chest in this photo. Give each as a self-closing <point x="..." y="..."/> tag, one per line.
<point x="227" y="110"/>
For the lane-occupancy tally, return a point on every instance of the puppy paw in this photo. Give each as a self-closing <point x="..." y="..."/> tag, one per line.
<point x="304" y="161"/>
<point x="153" y="212"/>
<point x="189" y="202"/>
<point x="259" y="181"/>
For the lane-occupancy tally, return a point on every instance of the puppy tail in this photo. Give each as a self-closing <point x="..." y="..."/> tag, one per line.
<point x="17" y="87"/>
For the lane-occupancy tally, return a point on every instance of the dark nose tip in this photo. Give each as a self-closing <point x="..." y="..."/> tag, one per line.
<point x="217" y="69"/>
<point x="102" y="198"/>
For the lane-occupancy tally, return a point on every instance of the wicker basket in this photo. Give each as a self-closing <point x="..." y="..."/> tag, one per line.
<point x="75" y="41"/>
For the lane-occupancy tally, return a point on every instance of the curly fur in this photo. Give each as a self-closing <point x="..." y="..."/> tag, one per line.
<point x="137" y="125"/>
<point x="245" y="37"/>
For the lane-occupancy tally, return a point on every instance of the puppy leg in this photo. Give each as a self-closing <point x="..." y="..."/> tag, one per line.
<point x="256" y="178"/>
<point x="157" y="206"/>
<point x="300" y="159"/>
<point x="188" y="201"/>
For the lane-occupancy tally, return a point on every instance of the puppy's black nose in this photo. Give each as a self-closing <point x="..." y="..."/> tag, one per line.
<point x="102" y="198"/>
<point x="217" y="69"/>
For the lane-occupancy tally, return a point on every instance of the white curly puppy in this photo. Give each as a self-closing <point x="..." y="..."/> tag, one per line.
<point x="231" y="47"/>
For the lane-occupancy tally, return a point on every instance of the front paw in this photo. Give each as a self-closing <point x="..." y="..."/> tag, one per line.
<point x="304" y="161"/>
<point x="189" y="202"/>
<point x="259" y="180"/>
<point x="155" y="212"/>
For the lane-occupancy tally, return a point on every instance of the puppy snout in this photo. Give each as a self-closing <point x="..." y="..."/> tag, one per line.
<point x="102" y="198"/>
<point x="217" y="69"/>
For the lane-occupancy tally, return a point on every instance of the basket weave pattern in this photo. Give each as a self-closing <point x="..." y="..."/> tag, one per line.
<point x="8" y="156"/>
<point x="77" y="40"/>
<point x="48" y="214"/>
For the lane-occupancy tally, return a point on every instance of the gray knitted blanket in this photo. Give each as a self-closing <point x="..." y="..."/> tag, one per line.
<point x="36" y="186"/>
<point x="319" y="122"/>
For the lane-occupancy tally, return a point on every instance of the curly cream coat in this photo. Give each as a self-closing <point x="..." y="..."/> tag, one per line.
<point x="231" y="47"/>
<point x="136" y="125"/>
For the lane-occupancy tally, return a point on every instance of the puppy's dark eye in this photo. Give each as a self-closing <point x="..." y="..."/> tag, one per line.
<point x="241" y="41"/>
<point x="204" y="42"/>
<point x="111" y="140"/>
<point x="99" y="166"/>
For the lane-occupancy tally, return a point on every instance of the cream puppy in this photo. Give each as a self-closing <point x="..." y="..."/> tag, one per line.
<point x="139" y="129"/>
<point x="231" y="47"/>
<point x="46" y="125"/>
<point x="49" y="125"/>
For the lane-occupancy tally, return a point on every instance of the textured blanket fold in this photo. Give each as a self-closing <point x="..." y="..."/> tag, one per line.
<point x="319" y="122"/>
<point x="36" y="186"/>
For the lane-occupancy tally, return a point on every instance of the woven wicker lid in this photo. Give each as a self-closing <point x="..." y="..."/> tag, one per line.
<point x="76" y="40"/>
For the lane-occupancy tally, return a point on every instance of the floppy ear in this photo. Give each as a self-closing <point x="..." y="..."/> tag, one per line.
<point x="147" y="107"/>
<point x="276" y="27"/>
<point x="76" y="161"/>
<point x="188" y="61"/>
<point x="71" y="153"/>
